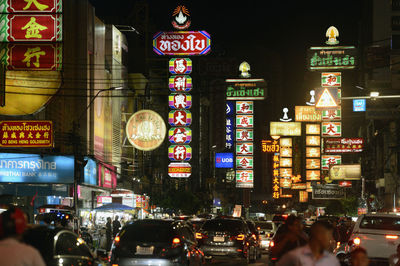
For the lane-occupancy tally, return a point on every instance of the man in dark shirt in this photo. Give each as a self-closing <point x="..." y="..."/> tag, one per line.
<point x="116" y="226"/>
<point x="108" y="233"/>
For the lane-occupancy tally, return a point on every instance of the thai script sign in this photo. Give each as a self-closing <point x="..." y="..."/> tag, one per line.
<point x="246" y="89"/>
<point x="26" y="133"/>
<point x="285" y="129"/>
<point x="307" y="114"/>
<point x="343" y="145"/>
<point x="270" y="146"/>
<point x="182" y="43"/>
<point x="332" y="57"/>
<point x="327" y="192"/>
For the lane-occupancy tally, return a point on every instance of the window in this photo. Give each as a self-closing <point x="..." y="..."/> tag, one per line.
<point x="381" y="223"/>
<point x="264" y="226"/>
<point x="147" y="232"/>
<point x="68" y="244"/>
<point x="216" y="225"/>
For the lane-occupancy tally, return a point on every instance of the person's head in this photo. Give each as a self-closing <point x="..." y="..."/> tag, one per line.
<point x="321" y="234"/>
<point x="294" y="223"/>
<point x="359" y="257"/>
<point x="12" y="223"/>
<point x="108" y="219"/>
<point x="116" y="217"/>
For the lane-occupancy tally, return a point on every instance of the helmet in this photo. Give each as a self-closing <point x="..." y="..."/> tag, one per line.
<point x="12" y="222"/>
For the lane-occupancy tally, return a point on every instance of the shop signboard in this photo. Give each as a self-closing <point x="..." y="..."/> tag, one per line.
<point x="224" y="160"/>
<point x="331" y="79"/>
<point x="313" y="164"/>
<point x="327" y="192"/>
<point x="285" y="128"/>
<point x="180" y="135"/>
<point x="102" y="200"/>
<point x="313" y="175"/>
<point x="313" y="152"/>
<point x="245" y="148"/>
<point x="359" y="105"/>
<point x="286" y="162"/>
<point x="286" y="142"/>
<point x="275" y="176"/>
<point x="244" y="178"/>
<point x="180" y="152"/>
<point x="180" y="66"/>
<point x="332" y="57"/>
<point x="299" y="186"/>
<point x="36" y="168"/>
<point x="230" y="108"/>
<point x="286" y="152"/>
<point x="313" y="140"/>
<point x="326" y="98"/>
<point x="332" y="114"/>
<point x="244" y="107"/>
<point x="244" y="121"/>
<point x="303" y="196"/>
<point x="244" y="135"/>
<point x="345" y="184"/>
<point x="26" y="134"/>
<point x="182" y="43"/>
<point x="244" y="162"/>
<point x="313" y="129"/>
<point x="327" y="160"/>
<point x="345" y="172"/>
<point x="179" y="170"/>
<point x="285" y="182"/>
<point x="30" y="6"/>
<point x="270" y="146"/>
<point x="331" y="129"/>
<point x="31" y="28"/>
<point x="307" y="114"/>
<point x="285" y="172"/>
<point x="180" y="101"/>
<point x="343" y="145"/>
<point x="107" y="175"/>
<point x="229" y="129"/>
<point x="180" y="83"/>
<point x="246" y="89"/>
<point x="180" y="118"/>
<point x="90" y="172"/>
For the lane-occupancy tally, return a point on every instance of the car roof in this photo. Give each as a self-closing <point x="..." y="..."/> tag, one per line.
<point x="381" y="215"/>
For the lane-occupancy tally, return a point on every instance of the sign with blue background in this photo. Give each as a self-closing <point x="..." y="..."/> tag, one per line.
<point x="90" y="172"/>
<point x="230" y="108"/>
<point x="359" y="105"/>
<point x="34" y="168"/>
<point x="224" y="160"/>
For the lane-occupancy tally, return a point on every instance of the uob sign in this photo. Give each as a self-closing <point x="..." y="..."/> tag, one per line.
<point x="224" y="160"/>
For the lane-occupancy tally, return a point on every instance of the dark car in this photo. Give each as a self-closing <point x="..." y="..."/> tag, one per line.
<point x="59" y="246"/>
<point x="226" y="237"/>
<point x="156" y="242"/>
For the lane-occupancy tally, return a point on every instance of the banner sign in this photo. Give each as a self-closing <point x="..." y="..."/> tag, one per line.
<point x="179" y="170"/>
<point x="246" y="148"/>
<point x="307" y="114"/>
<point x="180" y="152"/>
<point x="343" y="145"/>
<point x="327" y="160"/>
<point x="244" y="135"/>
<point x="332" y="114"/>
<point x="180" y="101"/>
<point x="345" y="172"/>
<point x="107" y="175"/>
<point x="275" y="176"/>
<point x="180" y="83"/>
<point x="30" y="6"/>
<point x="224" y="160"/>
<point x="244" y="162"/>
<point x="244" y="121"/>
<point x="327" y="192"/>
<point x="180" y="135"/>
<point x="244" y="107"/>
<point x="182" y="43"/>
<point x="180" y="118"/>
<point x="180" y="66"/>
<point x="244" y="178"/>
<point x="31" y="28"/>
<point x="331" y="129"/>
<point x="36" y="168"/>
<point x="229" y="128"/>
<point x="332" y="57"/>
<point x="332" y="79"/>
<point x="246" y="89"/>
<point x="270" y="146"/>
<point x="26" y="133"/>
<point x="285" y="128"/>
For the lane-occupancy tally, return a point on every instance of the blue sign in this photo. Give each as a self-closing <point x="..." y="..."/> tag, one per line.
<point x="217" y="202"/>
<point x="359" y="105"/>
<point x="224" y="160"/>
<point x="35" y="168"/>
<point x="230" y="108"/>
<point x="90" y="172"/>
<point x="229" y="133"/>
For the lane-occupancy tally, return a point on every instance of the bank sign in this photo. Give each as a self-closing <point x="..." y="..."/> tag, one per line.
<point x="224" y="160"/>
<point x="34" y="168"/>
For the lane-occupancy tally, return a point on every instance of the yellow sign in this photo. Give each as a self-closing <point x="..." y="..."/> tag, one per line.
<point x="285" y="182"/>
<point x="303" y="196"/>
<point x="307" y="114"/>
<point x="313" y="164"/>
<point x="326" y="100"/>
<point x="313" y="152"/>
<point x="285" y="129"/>
<point x="313" y="140"/>
<point x="286" y="142"/>
<point x="286" y="162"/>
<point x="286" y="172"/>
<point x="313" y="129"/>
<point x="312" y="175"/>
<point x="286" y="152"/>
<point x="345" y="172"/>
<point x="332" y="33"/>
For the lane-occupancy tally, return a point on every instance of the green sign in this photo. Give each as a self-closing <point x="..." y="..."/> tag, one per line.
<point x="244" y="162"/>
<point x="332" y="57"/>
<point x="327" y="160"/>
<point x="332" y="114"/>
<point x="246" y="89"/>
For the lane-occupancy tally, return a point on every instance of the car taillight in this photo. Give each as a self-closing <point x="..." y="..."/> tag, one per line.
<point x="392" y="237"/>
<point x="200" y="236"/>
<point x="357" y="241"/>
<point x="176" y="242"/>
<point x="271" y="244"/>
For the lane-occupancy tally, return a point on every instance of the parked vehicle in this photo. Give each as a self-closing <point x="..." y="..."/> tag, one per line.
<point x="224" y="237"/>
<point x="156" y="242"/>
<point x="59" y="246"/>
<point x="267" y="230"/>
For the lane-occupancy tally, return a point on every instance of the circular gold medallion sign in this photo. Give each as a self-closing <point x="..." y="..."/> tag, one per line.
<point x="146" y="130"/>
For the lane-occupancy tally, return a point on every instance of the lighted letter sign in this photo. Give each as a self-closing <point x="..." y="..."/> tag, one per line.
<point x="313" y="175"/>
<point x="285" y="129"/>
<point x="180" y="101"/>
<point x="180" y="118"/>
<point x="246" y="89"/>
<point x="179" y="170"/>
<point x="343" y="145"/>
<point x="182" y="43"/>
<point x="332" y="114"/>
<point x="224" y="160"/>
<point x="313" y="140"/>
<point x="180" y="152"/>
<point x="307" y="114"/>
<point x="229" y="129"/>
<point x="180" y="135"/>
<point x="332" y="79"/>
<point x="244" y="107"/>
<point x="286" y="162"/>
<point x="285" y="172"/>
<point x="313" y="164"/>
<point x="244" y="178"/>
<point x="345" y="172"/>
<point x="332" y="57"/>
<point x="313" y="152"/>
<point x="275" y="176"/>
<point x="286" y="142"/>
<point x="180" y="66"/>
<point x="270" y="146"/>
<point x="331" y="129"/>
<point x="286" y="183"/>
<point x="286" y="152"/>
<point x="244" y="162"/>
<point x="327" y="98"/>
<point x="26" y="133"/>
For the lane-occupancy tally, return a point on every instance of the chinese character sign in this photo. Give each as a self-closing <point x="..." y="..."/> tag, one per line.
<point x="244" y="135"/>
<point x="180" y="101"/>
<point x="30" y="6"/>
<point x="180" y="66"/>
<point x="180" y="152"/>
<point x="275" y="176"/>
<point x="331" y="129"/>
<point x="182" y="43"/>
<point x="180" y="118"/>
<point x="180" y="135"/>
<point x="36" y="134"/>
<point x="229" y="128"/>
<point x="244" y="121"/>
<point x="180" y="83"/>
<point x="244" y="107"/>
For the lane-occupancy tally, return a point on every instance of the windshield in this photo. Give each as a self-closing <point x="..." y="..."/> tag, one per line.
<point x="264" y="226"/>
<point x="147" y="232"/>
<point x="381" y="223"/>
<point x="232" y="226"/>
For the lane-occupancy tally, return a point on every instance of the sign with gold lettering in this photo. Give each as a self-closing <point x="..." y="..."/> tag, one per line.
<point x="30" y="6"/>
<point x="285" y="129"/>
<point x="26" y="133"/>
<point x="313" y="129"/>
<point x="307" y="114"/>
<point x="270" y="146"/>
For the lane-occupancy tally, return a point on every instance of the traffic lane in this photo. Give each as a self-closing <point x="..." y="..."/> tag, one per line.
<point x="237" y="262"/>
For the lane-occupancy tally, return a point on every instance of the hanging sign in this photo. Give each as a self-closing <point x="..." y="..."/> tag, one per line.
<point x="26" y="133"/>
<point x="332" y="114"/>
<point x="313" y="152"/>
<point x="180" y="152"/>
<point x="332" y="57"/>
<point x="313" y="129"/>
<point x="313" y="140"/>
<point x="313" y="164"/>
<point x="332" y="79"/>
<point x="286" y="162"/>
<point x="285" y="183"/>
<point x="245" y="148"/>
<point x="312" y="175"/>
<point x="180" y="135"/>
<point x="180" y="118"/>
<point x="275" y="177"/>
<point x="180" y="66"/>
<point x="180" y="101"/>
<point x="244" y="162"/>
<point x="244" y="178"/>
<point x="327" y="160"/>
<point x="307" y="114"/>
<point x="270" y="146"/>
<point x="331" y="129"/>
<point x="179" y="170"/>
<point x="180" y="83"/>
<point x="244" y="107"/>
<point x="286" y="142"/>
<point x="285" y="129"/>
<point x="286" y="152"/>
<point x="327" y="98"/>
<point x="246" y="89"/>
<point x="182" y="43"/>
<point x="345" y="172"/>
<point x="31" y="28"/>
<point x="244" y="135"/>
<point x="244" y="121"/>
<point x="343" y="145"/>
<point x="30" y="6"/>
<point x="285" y="172"/>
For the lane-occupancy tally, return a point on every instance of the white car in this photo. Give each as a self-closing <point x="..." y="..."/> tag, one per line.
<point x="377" y="233"/>
<point x="267" y="230"/>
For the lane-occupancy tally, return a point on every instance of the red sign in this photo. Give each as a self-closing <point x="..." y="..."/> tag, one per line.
<point x="107" y="176"/>
<point x="37" y="134"/>
<point x="33" y="28"/>
<point x="36" y="6"/>
<point x="183" y="170"/>
<point x="345" y="184"/>
<point x="343" y="145"/>
<point x="34" y="56"/>
<point x="182" y="43"/>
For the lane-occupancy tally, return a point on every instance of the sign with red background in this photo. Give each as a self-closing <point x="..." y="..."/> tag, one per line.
<point x="37" y="134"/>
<point x="36" y="6"/>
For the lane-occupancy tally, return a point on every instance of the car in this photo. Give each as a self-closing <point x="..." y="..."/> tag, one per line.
<point x="267" y="230"/>
<point x="59" y="246"/>
<point x="156" y="242"/>
<point x="226" y="237"/>
<point x="377" y="233"/>
<point x="197" y="223"/>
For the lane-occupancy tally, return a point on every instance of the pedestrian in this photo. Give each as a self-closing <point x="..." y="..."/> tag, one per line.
<point x="12" y="251"/>
<point x="316" y="251"/>
<point x="290" y="237"/>
<point x="116" y="226"/>
<point x="108" y="234"/>
<point x="394" y="260"/>
<point x="359" y="257"/>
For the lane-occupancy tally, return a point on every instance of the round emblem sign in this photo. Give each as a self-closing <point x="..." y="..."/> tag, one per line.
<point x="146" y="130"/>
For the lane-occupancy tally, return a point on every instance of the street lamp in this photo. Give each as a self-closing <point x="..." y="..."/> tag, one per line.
<point x="374" y="94"/>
